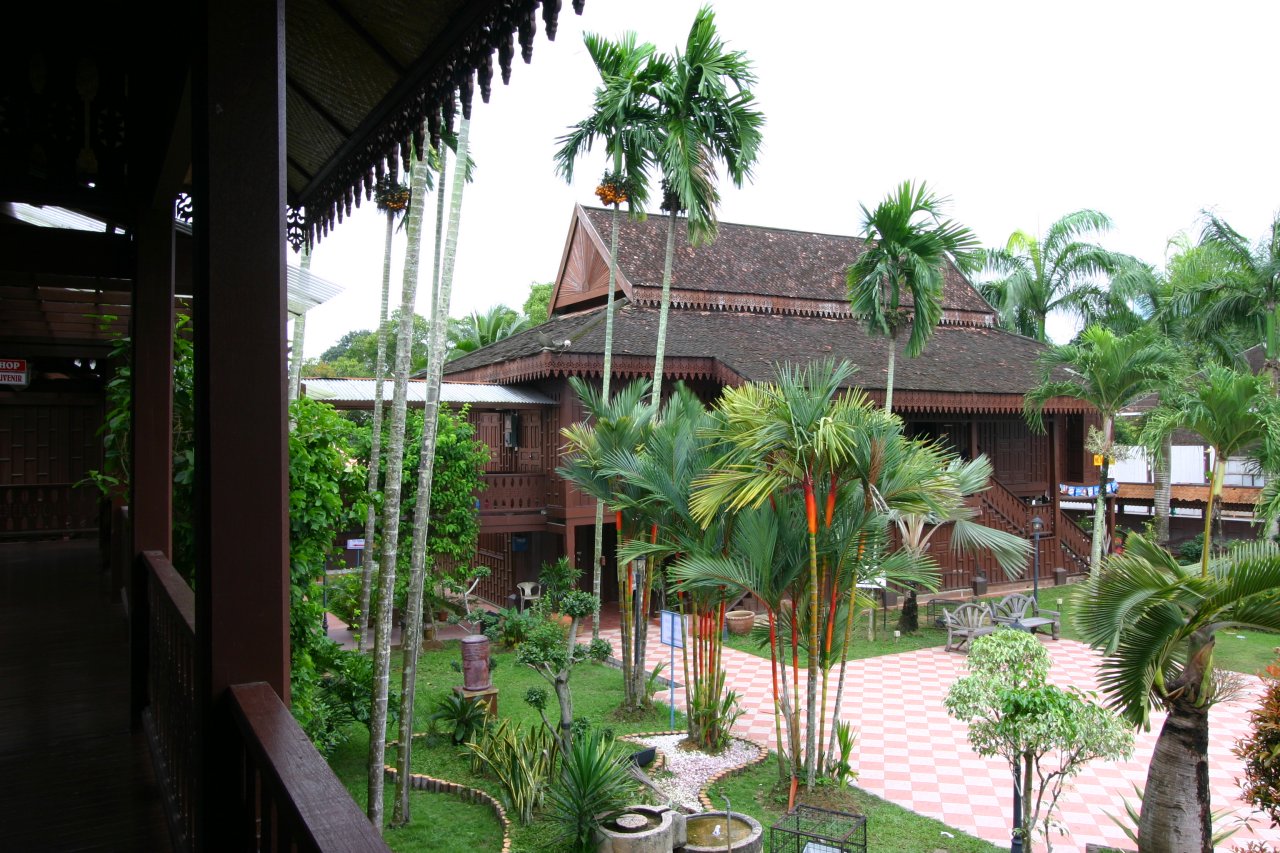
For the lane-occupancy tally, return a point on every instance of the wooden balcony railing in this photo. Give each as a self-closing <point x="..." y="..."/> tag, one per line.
<point x="170" y="714"/>
<point x="42" y="509"/>
<point x="288" y="798"/>
<point x="291" y="800"/>
<point x="513" y="493"/>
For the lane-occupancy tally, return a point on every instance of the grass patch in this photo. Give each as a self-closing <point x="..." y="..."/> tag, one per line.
<point x="890" y="828"/>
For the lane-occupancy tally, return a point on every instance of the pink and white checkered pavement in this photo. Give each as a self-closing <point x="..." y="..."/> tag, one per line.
<point x="912" y="753"/>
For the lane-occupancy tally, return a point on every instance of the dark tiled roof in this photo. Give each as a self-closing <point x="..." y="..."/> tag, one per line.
<point x="752" y="260"/>
<point x="958" y="359"/>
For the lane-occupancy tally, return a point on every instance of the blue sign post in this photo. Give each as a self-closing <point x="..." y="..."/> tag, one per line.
<point x="672" y="634"/>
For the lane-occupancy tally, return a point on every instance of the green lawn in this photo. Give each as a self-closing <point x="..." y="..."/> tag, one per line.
<point x="890" y="828"/>
<point x="596" y="690"/>
<point x="1239" y="651"/>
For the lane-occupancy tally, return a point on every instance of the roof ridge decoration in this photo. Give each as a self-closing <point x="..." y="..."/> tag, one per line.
<point x="420" y="106"/>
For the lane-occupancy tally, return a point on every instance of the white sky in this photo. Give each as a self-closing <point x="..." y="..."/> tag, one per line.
<point x="1021" y="112"/>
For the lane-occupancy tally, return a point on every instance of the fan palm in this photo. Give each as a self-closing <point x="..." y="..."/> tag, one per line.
<point x="706" y="113"/>
<point x="1249" y="292"/>
<point x="1156" y="622"/>
<point x="1108" y="371"/>
<point x="897" y="281"/>
<point x="1036" y="276"/>
<point x="624" y="121"/>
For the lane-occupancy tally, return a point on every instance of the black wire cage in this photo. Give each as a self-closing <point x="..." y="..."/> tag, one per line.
<point x="808" y="829"/>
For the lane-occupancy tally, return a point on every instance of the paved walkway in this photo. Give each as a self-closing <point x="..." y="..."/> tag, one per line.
<point x="912" y="753"/>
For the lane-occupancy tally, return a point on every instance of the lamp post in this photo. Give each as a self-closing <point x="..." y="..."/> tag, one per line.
<point x="1015" y="845"/>
<point x="1037" y="527"/>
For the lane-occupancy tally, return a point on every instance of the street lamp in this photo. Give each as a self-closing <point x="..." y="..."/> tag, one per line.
<point x="1037" y="527"/>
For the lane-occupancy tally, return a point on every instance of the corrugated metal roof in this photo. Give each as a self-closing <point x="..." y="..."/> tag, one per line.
<point x="361" y="391"/>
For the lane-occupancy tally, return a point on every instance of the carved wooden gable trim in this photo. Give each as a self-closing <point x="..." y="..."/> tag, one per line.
<point x="584" y="269"/>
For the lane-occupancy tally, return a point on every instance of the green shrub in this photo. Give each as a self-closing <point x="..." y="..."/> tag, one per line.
<point x="464" y="718"/>
<point x="521" y="760"/>
<point x="593" y="784"/>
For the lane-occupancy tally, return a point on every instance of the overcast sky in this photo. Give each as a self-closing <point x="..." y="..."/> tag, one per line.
<point x="1021" y="112"/>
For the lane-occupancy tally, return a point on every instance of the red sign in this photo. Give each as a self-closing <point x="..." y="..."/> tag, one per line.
<point x="13" y="371"/>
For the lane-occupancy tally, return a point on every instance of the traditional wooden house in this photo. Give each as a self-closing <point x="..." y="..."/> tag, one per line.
<point x="757" y="297"/>
<point x="265" y="122"/>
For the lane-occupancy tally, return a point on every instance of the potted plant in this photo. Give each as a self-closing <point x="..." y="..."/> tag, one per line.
<point x="557" y="578"/>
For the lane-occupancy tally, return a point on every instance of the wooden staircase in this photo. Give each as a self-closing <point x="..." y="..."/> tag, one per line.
<point x="1063" y="543"/>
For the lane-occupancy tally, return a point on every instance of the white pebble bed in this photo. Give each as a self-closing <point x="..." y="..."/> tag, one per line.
<point x="690" y="770"/>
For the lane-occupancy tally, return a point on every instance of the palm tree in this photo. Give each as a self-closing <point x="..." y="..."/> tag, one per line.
<point x="898" y="278"/>
<point x="393" y="200"/>
<point x="623" y="119"/>
<point x="1039" y="275"/>
<point x="1249" y="293"/>
<point x="441" y="295"/>
<point x="391" y="496"/>
<point x="1232" y="411"/>
<point x="1108" y="371"/>
<point x="795" y="432"/>
<point x="1156" y="622"/>
<point x="1164" y="303"/>
<point x="478" y="330"/>
<point x="705" y="113"/>
<point x="620" y="424"/>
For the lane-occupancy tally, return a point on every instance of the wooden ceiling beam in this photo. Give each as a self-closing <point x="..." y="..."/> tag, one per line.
<point x="58" y="251"/>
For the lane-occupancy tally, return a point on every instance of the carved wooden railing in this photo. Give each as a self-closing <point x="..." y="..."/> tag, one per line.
<point x="287" y="797"/>
<point x="47" y="508"/>
<point x="1074" y="543"/>
<point x="170" y="715"/>
<point x="513" y="493"/>
<point x="1002" y="509"/>
<point x="291" y="800"/>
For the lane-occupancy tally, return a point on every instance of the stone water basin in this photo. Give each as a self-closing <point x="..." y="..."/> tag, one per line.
<point x="641" y="829"/>
<point x="706" y="833"/>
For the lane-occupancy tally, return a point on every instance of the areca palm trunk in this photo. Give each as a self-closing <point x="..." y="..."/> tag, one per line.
<point x="607" y="371"/>
<point x="1100" y="504"/>
<point x="660" y="349"/>
<point x="1211" y="507"/>
<point x="1163" y="470"/>
<point x="893" y="360"/>
<point x="375" y="448"/>
<point x="299" y="337"/>
<point x="391" y="500"/>
<point x="442" y="291"/>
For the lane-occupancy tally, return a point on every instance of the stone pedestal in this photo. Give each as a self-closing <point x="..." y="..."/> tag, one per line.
<point x="489" y="697"/>
<point x="1059" y="576"/>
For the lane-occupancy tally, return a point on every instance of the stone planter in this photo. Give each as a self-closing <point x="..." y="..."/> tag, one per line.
<point x="740" y="621"/>
<point x="641" y="829"/>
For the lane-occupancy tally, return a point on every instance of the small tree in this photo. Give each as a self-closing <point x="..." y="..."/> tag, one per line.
<point x="553" y="655"/>
<point x="1260" y="751"/>
<point x="1045" y="733"/>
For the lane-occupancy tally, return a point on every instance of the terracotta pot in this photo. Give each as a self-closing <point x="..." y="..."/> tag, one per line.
<point x="740" y="621"/>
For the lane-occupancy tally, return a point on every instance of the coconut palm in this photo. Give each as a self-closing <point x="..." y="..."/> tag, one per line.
<point x="1109" y="372"/>
<point x="1061" y="271"/>
<point x="624" y="121"/>
<point x="1156" y="622"/>
<point x="897" y="280"/>
<point x="1249" y="293"/>
<point x="705" y="112"/>
<point x="1232" y="411"/>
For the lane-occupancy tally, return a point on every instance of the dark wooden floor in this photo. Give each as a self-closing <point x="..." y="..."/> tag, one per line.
<point x="72" y="775"/>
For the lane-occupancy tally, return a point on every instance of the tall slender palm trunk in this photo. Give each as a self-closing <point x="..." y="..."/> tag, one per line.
<point x="441" y="296"/>
<point x="1100" y="504"/>
<point x="811" y="687"/>
<point x="391" y="499"/>
<point x="888" y="382"/>
<point x="660" y="349"/>
<point x="375" y="448"/>
<point x="1163" y="474"/>
<point x="299" y="337"/>
<point x="607" y="370"/>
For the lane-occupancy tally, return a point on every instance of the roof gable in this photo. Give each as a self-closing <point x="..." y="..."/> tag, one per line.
<point x="747" y="268"/>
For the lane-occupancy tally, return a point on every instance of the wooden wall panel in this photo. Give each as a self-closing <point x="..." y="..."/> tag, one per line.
<point x="48" y="444"/>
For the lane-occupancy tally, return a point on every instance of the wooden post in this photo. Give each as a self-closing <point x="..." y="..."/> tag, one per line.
<point x="242" y="499"/>
<point x="151" y="481"/>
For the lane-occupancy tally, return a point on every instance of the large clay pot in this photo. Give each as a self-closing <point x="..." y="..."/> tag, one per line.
<point x="475" y="662"/>
<point x="740" y="621"/>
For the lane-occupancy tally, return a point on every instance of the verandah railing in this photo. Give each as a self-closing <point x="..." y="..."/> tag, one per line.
<point x="287" y="797"/>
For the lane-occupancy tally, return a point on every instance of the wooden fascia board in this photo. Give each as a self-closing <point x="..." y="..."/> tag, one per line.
<point x="59" y="251"/>
<point x="581" y="223"/>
